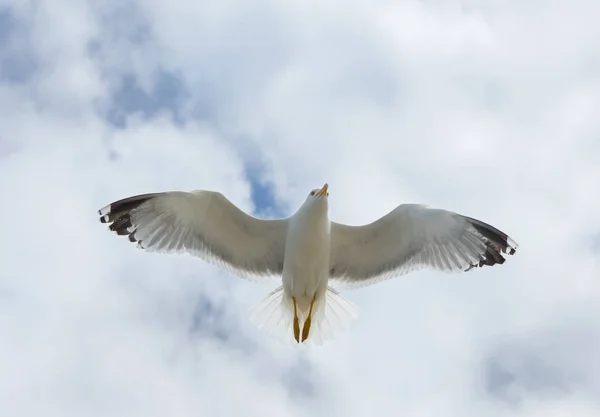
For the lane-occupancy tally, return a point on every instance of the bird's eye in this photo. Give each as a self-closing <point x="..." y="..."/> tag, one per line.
<point x="312" y="193"/>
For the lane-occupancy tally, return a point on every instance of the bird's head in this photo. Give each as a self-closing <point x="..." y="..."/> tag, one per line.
<point x="316" y="201"/>
<point x="319" y="193"/>
<point x="318" y="197"/>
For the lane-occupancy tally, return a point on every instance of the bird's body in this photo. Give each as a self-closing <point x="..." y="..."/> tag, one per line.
<point x="306" y="262"/>
<point x="306" y="250"/>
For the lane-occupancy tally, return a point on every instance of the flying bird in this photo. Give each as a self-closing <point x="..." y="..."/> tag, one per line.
<point x="307" y="250"/>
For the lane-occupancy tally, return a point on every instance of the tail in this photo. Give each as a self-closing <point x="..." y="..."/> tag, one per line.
<point x="331" y="316"/>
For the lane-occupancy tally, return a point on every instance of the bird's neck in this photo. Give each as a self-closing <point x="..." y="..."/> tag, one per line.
<point x="313" y="216"/>
<point x="308" y="226"/>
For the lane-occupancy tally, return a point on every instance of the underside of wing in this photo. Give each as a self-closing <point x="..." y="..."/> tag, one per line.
<point x="204" y="224"/>
<point x="414" y="237"/>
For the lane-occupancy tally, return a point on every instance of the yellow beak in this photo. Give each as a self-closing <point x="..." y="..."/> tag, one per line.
<point x="322" y="191"/>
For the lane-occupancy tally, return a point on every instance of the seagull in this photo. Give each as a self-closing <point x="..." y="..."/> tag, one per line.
<point x="306" y="251"/>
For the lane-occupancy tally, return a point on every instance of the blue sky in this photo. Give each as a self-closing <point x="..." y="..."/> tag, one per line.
<point x="485" y="108"/>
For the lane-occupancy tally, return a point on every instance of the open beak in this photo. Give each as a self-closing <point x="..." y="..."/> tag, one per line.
<point x="322" y="191"/>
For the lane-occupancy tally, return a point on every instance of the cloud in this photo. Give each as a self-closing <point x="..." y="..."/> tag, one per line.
<point x="484" y="108"/>
<point x="17" y="65"/>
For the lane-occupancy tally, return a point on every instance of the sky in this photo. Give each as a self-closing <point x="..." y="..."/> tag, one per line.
<point x="486" y="108"/>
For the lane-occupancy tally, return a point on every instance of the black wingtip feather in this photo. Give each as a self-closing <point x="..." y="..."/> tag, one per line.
<point x="498" y="243"/>
<point x="119" y="215"/>
<point x="122" y="226"/>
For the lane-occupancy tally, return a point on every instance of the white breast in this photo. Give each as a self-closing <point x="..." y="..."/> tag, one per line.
<point x="306" y="263"/>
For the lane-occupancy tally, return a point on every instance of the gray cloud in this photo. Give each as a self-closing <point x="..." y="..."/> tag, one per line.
<point x="552" y="363"/>
<point x="17" y="65"/>
<point x="168" y="93"/>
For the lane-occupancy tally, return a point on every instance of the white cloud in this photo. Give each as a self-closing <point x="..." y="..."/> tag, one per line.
<point x="485" y="108"/>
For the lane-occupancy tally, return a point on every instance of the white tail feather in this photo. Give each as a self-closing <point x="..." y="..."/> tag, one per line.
<point x="331" y="316"/>
<point x="272" y="314"/>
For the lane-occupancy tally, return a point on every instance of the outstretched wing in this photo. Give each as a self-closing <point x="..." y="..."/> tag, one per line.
<point x="203" y="223"/>
<point x="414" y="237"/>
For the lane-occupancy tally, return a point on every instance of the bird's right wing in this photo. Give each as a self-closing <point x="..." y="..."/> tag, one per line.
<point x="205" y="224"/>
<point x="413" y="237"/>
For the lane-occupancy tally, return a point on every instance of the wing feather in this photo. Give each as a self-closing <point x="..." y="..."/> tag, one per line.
<point x="202" y="223"/>
<point x="412" y="237"/>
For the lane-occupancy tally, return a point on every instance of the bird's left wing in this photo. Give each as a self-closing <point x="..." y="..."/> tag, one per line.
<point x="413" y="237"/>
<point x="203" y="223"/>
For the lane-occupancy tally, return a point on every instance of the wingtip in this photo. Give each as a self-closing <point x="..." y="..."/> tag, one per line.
<point x="104" y="210"/>
<point x="495" y="255"/>
<point x="504" y="243"/>
<point x="511" y="246"/>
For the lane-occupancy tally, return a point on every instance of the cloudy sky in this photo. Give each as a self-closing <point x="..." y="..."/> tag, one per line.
<point x="487" y="108"/>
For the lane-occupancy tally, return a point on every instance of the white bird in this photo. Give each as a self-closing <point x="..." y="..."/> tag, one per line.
<point x="307" y="250"/>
